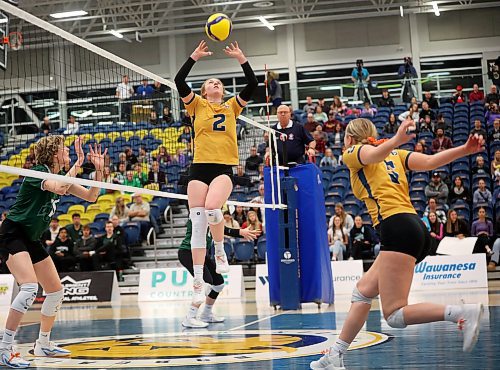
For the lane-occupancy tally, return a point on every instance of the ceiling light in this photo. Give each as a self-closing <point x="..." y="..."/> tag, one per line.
<point x="116" y="34"/>
<point x="263" y="4"/>
<point x="314" y="73"/>
<point x="401" y="11"/>
<point x="266" y="23"/>
<point x="436" y="8"/>
<point x="75" y="13"/>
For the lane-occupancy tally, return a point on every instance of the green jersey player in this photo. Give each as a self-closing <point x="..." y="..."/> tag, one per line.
<point x="22" y="250"/>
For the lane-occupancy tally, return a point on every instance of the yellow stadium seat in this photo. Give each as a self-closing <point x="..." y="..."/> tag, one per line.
<point x="69" y="140"/>
<point x="106" y="199"/>
<point x="93" y="207"/>
<point x="156" y="132"/>
<point x="76" y="208"/>
<point x="87" y="218"/>
<point x="86" y="137"/>
<point x="113" y="135"/>
<point x="99" y="136"/>
<point x="65" y="220"/>
<point x="147" y="197"/>
<point x="127" y="134"/>
<point x="171" y="133"/>
<point x="107" y="208"/>
<point x="25" y="152"/>
<point x="127" y="198"/>
<point x="4" y="183"/>
<point x="141" y="133"/>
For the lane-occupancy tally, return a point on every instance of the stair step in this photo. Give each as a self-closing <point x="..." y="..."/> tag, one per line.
<point x="159" y="264"/>
<point x="129" y="289"/>
<point x="161" y="253"/>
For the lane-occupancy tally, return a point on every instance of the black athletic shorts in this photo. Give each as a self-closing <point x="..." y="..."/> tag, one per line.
<point x="13" y="240"/>
<point x="207" y="172"/>
<point x="210" y="276"/>
<point x="405" y="233"/>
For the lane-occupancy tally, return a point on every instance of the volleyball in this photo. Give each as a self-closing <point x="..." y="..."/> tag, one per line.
<point x="218" y="27"/>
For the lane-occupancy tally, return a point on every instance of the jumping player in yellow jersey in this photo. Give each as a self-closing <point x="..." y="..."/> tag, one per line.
<point x="215" y="152"/>
<point x="378" y="178"/>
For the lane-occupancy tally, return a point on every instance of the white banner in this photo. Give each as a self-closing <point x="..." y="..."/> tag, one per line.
<point x="450" y="272"/>
<point x="261" y="283"/>
<point x="456" y="247"/>
<point x="6" y="289"/>
<point x="173" y="284"/>
<point x="346" y="274"/>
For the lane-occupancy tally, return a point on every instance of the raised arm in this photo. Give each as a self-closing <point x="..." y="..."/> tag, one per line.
<point x="234" y="51"/>
<point x="424" y="162"/>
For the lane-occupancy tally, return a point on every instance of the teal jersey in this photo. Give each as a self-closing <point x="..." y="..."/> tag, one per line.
<point x="34" y="207"/>
<point x="186" y="243"/>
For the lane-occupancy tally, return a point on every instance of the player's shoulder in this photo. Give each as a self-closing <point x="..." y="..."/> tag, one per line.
<point x="353" y="149"/>
<point x="40" y="168"/>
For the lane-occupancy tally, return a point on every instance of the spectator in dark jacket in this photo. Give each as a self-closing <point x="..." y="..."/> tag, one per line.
<point x="433" y="103"/>
<point x="456" y="227"/>
<point x="459" y="191"/>
<point x="392" y="126"/>
<point x="478" y="129"/>
<point x="253" y="162"/>
<point x="84" y="249"/>
<point x="437" y="189"/>
<point x="361" y="238"/>
<point x="441" y="142"/>
<point x="386" y="100"/>
<point x="155" y="176"/>
<point x="107" y="247"/>
<point x="62" y="252"/>
<point x="426" y="111"/>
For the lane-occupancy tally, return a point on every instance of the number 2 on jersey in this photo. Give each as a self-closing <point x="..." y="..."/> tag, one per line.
<point x="219" y="120"/>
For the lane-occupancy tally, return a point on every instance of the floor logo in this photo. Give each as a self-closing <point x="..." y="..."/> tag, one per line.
<point x="198" y="348"/>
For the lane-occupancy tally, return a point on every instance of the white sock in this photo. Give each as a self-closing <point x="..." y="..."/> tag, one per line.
<point x="8" y="338"/>
<point x="193" y="311"/>
<point x="44" y="337"/>
<point x="207" y="310"/>
<point x="453" y="313"/>
<point x="198" y="272"/>
<point x="339" y="346"/>
<point x="219" y="248"/>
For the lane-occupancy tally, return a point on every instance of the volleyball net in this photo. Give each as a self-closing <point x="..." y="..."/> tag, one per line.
<point x="53" y="82"/>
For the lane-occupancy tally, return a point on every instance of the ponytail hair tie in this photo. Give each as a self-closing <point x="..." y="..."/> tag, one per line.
<point x="375" y="142"/>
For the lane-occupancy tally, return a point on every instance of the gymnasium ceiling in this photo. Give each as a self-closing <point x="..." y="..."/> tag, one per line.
<point x="165" y="17"/>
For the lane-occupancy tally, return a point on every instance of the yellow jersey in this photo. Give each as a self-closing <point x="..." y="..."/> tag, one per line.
<point x="215" y="139"/>
<point x="382" y="186"/>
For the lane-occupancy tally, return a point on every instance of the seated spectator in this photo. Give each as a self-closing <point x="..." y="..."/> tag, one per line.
<point x="412" y="113"/>
<point x="441" y="142"/>
<point x="338" y="107"/>
<point x="253" y="161"/>
<point x="456" y="227"/>
<point x="131" y="158"/>
<point x="495" y="165"/>
<point x="495" y="134"/>
<point x="322" y="134"/>
<point x="480" y="168"/>
<point x="329" y="126"/>
<point x="185" y="137"/>
<point x="139" y="212"/>
<point x="229" y="221"/>
<point x="367" y="109"/>
<point x="337" y="239"/>
<point x="309" y="107"/>
<point x="28" y="164"/>
<point x="492" y="114"/>
<point x="49" y="236"/>
<point x="311" y="124"/>
<point x="62" y="252"/>
<point x="337" y="137"/>
<point x="385" y="100"/>
<point x="323" y="105"/>
<point x="320" y="142"/>
<point x="440" y="122"/>
<point x="167" y="116"/>
<point x="495" y="258"/>
<point x="459" y="96"/>
<point x="293" y="116"/>
<point x="432" y="207"/>
<point x="392" y="126"/>
<point x="419" y="148"/>
<point x="431" y="100"/>
<point x="155" y="176"/>
<point x="88" y="167"/>
<point x="436" y="231"/>
<point x="361" y="239"/>
<point x="46" y="126"/>
<point x="132" y="180"/>
<point x="145" y="90"/>
<point x="426" y="111"/>
<point x="181" y="157"/>
<point x="478" y="129"/>
<point x="121" y="174"/>
<point x="107" y="247"/>
<point x="345" y="217"/>
<point x="437" y="189"/>
<point x="120" y="210"/>
<point x="319" y="115"/>
<point x="329" y="159"/>
<point x="71" y="127"/>
<point x="123" y="257"/>
<point x="261" y="149"/>
<point x="476" y="94"/>
<point x="425" y="125"/>
<point x="186" y="119"/>
<point x="84" y="250"/>
<point x="459" y="191"/>
<point x="153" y="118"/>
<point x="482" y="196"/>
<point x="144" y="157"/>
<point x="140" y="171"/>
<point x="239" y="215"/>
<point x="107" y="177"/>
<point x="493" y="97"/>
<point x="252" y="222"/>
<point x="122" y="158"/>
<point x="482" y="228"/>
<point x="75" y="230"/>
<point x="163" y="157"/>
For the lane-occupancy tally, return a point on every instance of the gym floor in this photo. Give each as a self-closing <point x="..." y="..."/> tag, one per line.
<point x="132" y="335"/>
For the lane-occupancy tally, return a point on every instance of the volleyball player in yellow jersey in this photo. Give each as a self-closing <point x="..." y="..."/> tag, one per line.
<point x="378" y="178"/>
<point x="215" y="152"/>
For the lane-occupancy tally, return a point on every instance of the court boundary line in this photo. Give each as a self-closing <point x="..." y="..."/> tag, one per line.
<point x="255" y="321"/>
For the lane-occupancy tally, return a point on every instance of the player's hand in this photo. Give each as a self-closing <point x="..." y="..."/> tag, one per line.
<point x="406" y="132"/>
<point x="474" y="144"/>
<point x="79" y="150"/>
<point x="249" y="235"/>
<point x="201" y="51"/>
<point x="97" y="156"/>
<point x="234" y="51"/>
<point x="311" y="152"/>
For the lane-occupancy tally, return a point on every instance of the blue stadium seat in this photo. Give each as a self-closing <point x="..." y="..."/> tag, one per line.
<point x="228" y="249"/>
<point x="155" y="211"/>
<point x="243" y="251"/>
<point x="261" y="248"/>
<point x="132" y="233"/>
<point x="96" y="228"/>
<point x="101" y="218"/>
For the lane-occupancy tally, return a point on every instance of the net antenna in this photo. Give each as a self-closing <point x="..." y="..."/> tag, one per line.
<point x="84" y="68"/>
<point x="4" y="38"/>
